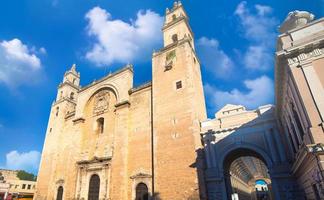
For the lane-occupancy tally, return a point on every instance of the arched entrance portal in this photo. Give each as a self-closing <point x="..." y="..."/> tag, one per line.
<point x="94" y="187"/>
<point x="141" y="192"/>
<point x="243" y="171"/>
<point x="59" y="195"/>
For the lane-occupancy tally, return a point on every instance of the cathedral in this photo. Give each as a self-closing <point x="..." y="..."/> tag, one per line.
<point x="111" y="140"/>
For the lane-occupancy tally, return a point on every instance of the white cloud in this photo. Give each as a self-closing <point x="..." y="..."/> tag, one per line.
<point x="119" y="41"/>
<point x="258" y="57"/>
<point x="28" y="161"/>
<point x="259" y="29"/>
<point x="18" y="63"/>
<point x="259" y="91"/>
<point x="214" y="59"/>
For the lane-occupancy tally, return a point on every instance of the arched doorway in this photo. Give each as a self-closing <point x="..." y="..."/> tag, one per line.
<point x="59" y="195"/>
<point x="141" y="192"/>
<point x="94" y="187"/>
<point x="242" y="169"/>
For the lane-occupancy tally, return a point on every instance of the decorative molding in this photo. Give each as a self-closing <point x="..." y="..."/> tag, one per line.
<point x="143" y="86"/>
<point x="60" y="182"/>
<point x="140" y="175"/>
<point x="78" y="120"/>
<point x="94" y="160"/>
<point x="305" y="56"/>
<point x="123" y="103"/>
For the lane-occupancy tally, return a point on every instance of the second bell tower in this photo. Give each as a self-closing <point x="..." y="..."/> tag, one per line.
<point x="178" y="109"/>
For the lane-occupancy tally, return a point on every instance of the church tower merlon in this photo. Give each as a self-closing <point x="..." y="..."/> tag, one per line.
<point x="176" y="25"/>
<point x="70" y="86"/>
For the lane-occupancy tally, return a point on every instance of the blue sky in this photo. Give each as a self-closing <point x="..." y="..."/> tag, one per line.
<point x="41" y="39"/>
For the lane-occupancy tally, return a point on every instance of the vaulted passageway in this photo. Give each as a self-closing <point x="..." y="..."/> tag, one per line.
<point x="243" y="168"/>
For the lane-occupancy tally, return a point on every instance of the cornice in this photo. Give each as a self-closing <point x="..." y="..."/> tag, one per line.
<point x="64" y="99"/>
<point x="94" y="160"/>
<point x="139" y="88"/>
<point x="302" y="57"/>
<point x="140" y="175"/>
<point x="174" y="22"/>
<point x="122" y="104"/>
<point x="69" y="84"/>
<point x="175" y="44"/>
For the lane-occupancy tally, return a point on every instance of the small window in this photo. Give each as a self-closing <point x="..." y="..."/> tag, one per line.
<point x="50" y="130"/>
<point x="73" y="81"/>
<point x="72" y="95"/>
<point x="28" y="187"/>
<point x="57" y="111"/>
<point x="16" y="186"/>
<point x="178" y="85"/>
<point x="24" y="186"/>
<point x="175" y="38"/>
<point x="100" y="124"/>
<point x="174" y="17"/>
<point x="61" y="95"/>
<point x="194" y="60"/>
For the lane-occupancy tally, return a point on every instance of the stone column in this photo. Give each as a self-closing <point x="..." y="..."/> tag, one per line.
<point x="271" y="146"/>
<point x="282" y="153"/>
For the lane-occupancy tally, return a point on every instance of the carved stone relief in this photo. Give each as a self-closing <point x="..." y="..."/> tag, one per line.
<point x="101" y="104"/>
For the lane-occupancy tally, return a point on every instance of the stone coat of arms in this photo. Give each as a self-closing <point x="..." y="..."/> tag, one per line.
<point x="101" y="103"/>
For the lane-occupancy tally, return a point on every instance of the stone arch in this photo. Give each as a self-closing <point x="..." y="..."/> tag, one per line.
<point x="247" y="146"/>
<point x="235" y="151"/>
<point x="59" y="194"/>
<point x="142" y="192"/>
<point x="110" y="88"/>
<point x="94" y="187"/>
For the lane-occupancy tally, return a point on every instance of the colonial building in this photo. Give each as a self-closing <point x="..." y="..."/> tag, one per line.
<point x="300" y="98"/>
<point x="109" y="140"/>
<point x="11" y="187"/>
<point x="242" y="147"/>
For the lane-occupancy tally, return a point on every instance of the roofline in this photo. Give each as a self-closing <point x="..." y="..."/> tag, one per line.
<point x="127" y="67"/>
<point x="140" y="87"/>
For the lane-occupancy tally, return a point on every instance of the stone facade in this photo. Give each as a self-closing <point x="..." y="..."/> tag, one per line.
<point x="113" y="131"/>
<point x="111" y="140"/>
<point x="242" y="147"/>
<point x="300" y="98"/>
<point x="11" y="186"/>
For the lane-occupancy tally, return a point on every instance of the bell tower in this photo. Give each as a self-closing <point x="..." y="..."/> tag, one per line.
<point x="176" y="26"/>
<point x="178" y="109"/>
<point x="70" y="85"/>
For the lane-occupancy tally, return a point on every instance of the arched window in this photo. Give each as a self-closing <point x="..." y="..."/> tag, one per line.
<point x="297" y="120"/>
<point x="175" y="38"/>
<point x="141" y="192"/>
<point x="174" y="17"/>
<point x="59" y="195"/>
<point x="94" y="187"/>
<point x="100" y="124"/>
<point x="73" y="81"/>
<point x="72" y="95"/>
